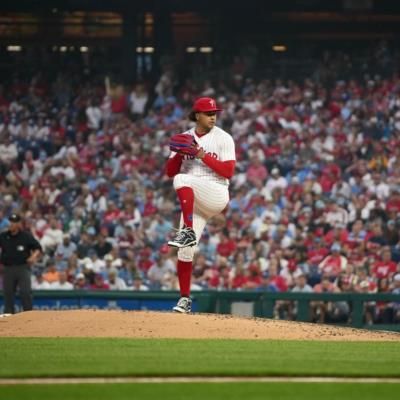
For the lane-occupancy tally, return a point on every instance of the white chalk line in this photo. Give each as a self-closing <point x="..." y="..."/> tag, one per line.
<point x="194" y="379"/>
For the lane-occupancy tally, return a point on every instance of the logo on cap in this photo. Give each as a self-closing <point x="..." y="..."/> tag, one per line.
<point x="205" y="104"/>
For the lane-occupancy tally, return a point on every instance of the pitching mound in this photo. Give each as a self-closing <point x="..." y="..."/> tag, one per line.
<point x="145" y="324"/>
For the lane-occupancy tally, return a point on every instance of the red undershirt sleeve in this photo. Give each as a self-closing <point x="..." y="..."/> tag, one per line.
<point x="223" y="168"/>
<point x="173" y="165"/>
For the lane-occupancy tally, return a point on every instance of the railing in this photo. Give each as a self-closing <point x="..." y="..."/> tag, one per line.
<point x="262" y="303"/>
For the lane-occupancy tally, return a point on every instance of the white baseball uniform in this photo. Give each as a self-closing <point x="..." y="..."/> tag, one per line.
<point x="210" y="190"/>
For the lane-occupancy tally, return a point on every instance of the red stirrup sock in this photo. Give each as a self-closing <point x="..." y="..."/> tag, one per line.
<point x="186" y="198"/>
<point x="184" y="269"/>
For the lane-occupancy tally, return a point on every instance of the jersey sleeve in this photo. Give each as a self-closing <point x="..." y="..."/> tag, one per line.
<point x="173" y="165"/>
<point x="228" y="149"/>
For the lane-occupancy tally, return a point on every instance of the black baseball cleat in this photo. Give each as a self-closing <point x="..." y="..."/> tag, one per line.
<point x="184" y="305"/>
<point x="184" y="238"/>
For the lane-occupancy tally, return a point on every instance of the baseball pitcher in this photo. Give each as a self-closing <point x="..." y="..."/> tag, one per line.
<point x="202" y="161"/>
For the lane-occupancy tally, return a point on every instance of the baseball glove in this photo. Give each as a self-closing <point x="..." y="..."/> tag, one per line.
<point x="184" y="144"/>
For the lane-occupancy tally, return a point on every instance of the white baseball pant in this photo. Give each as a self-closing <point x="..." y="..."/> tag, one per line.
<point x="210" y="198"/>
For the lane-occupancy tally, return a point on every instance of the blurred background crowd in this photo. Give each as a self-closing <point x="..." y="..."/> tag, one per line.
<point x="315" y="201"/>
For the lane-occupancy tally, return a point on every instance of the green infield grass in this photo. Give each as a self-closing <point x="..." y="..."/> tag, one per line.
<point x="203" y="391"/>
<point x="73" y="357"/>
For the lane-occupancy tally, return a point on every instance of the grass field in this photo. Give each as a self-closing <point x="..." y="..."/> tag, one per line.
<point x="51" y="357"/>
<point x="72" y="357"/>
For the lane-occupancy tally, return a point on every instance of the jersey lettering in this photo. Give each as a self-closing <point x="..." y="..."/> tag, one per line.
<point x="189" y="157"/>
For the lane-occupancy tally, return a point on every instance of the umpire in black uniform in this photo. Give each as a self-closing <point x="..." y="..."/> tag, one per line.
<point x="19" y="251"/>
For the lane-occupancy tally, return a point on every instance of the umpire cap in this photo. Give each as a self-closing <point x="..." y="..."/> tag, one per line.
<point x="15" y="218"/>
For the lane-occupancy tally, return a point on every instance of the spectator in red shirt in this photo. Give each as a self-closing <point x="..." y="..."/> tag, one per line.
<point x="317" y="252"/>
<point x="99" y="284"/>
<point x="327" y="181"/>
<point x="333" y="169"/>
<point x="275" y="279"/>
<point x="385" y="267"/>
<point x="357" y="256"/>
<point x="128" y="162"/>
<point x="144" y="262"/>
<point x="256" y="171"/>
<point x="219" y="276"/>
<point x="116" y="92"/>
<point x="338" y="234"/>
<point x="149" y="207"/>
<point x="225" y="277"/>
<point x="273" y="150"/>
<point x="294" y="191"/>
<point x="253" y="277"/>
<point x="239" y="279"/>
<point x="333" y="264"/>
<point x="227" y="245"/>
<point x="112" y="213"/>
<point x="393" y="203"/>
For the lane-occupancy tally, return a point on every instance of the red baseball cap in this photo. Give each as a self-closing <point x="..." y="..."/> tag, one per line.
<point x="205" y="104"/>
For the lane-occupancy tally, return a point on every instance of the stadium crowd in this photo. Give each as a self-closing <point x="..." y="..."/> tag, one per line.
<point x="315" y="201"/>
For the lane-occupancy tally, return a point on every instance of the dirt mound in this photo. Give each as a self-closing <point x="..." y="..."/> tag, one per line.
<point x="145" y="324"/>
